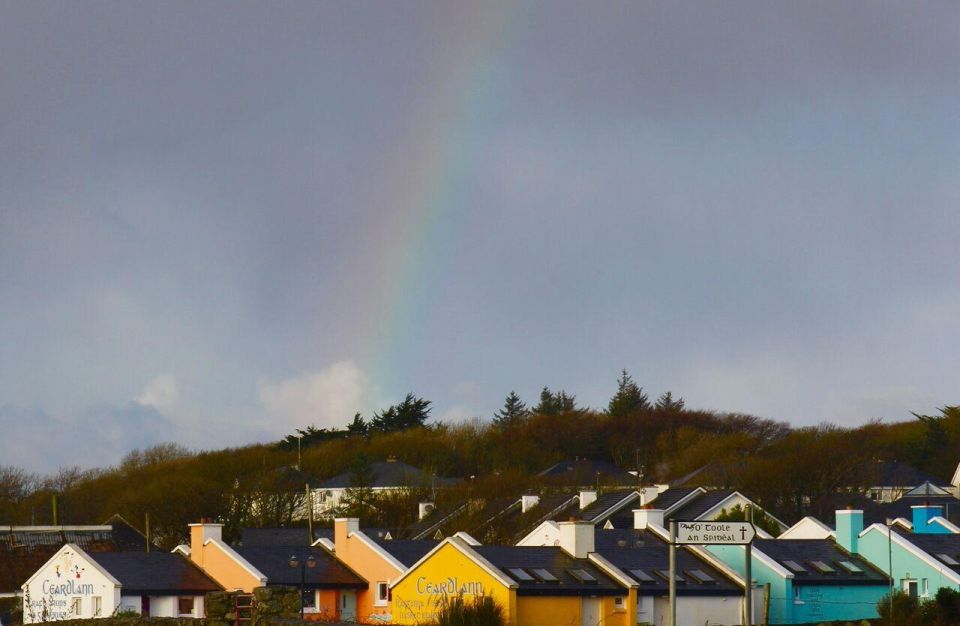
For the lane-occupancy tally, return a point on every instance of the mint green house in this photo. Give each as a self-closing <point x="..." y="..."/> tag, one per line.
<point x="811" y="580"/>
<point x="922" y="561"/>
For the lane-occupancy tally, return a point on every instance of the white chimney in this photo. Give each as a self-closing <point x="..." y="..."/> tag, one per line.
<point x="587" y="498"/>
<point x="648" y="495"/>
<point x="424" y="509"/>
<point x="576" y="538"/>
<point x="528" y="502"/>
<point x="645" y="517"/>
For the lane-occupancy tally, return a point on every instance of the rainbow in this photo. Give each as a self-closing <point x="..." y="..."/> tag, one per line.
<point x="419" y="187"/>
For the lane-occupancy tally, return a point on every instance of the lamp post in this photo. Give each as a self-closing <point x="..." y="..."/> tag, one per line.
<point x="303" y="564"/>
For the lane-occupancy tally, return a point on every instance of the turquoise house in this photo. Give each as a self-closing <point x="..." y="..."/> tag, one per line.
<point x="922" y="561"/>
<point x="811" y="580"/>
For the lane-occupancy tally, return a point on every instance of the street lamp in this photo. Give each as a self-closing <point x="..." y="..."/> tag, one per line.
<point x="303" y="564"/>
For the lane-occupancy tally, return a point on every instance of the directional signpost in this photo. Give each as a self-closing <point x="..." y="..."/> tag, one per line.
<point x="715" y="533"/>
<point x="711" y="534"/>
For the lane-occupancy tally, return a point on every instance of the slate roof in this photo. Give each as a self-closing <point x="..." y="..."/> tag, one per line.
<point x="601" y="507"/>
<point x="879" y="512"/>
<point x="280" y="536"/>
<point x="804" y="551"/>
<point x="295" y="536"/>
<point x="555" y="561"/>
<point x="671" y="496"/>
<point x="408" y="551"/>
<point x="582" y="471"/>
<point x="667" y="499"/>
<point x="643" y="550"/>
<point x="899" y="474"/>
<point x="24" y="549"/>
<point x="273" y="562"/>
<point x="155" y="573"/>
<point x="934" y="544"/>
<point x="426" y="527"/>
<point x="552" y="506"/>
<point x="700" y="505"/>
<point x="391" y="474"/>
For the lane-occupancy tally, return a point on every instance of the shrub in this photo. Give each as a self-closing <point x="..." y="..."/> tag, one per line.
<point x="479" y="611"/>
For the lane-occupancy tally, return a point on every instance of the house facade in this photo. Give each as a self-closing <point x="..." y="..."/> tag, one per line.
<point x="76" y="585"/>
<point x="535" y="586"/>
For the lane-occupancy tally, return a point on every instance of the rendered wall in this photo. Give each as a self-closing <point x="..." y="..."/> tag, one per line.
<point x="537" y="611"/>
<point x="873" y="546"/>
<point x="416" y="598"/>
<point x="781" y="589"/>
<point x="50" y="593"/>
<point x="696" y="611"/>
<point x="216" y="561"/>
<point x="371" y="565"/>
<point x="836" y="603"/>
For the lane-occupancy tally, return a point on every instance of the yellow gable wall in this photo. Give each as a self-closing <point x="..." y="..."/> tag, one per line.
<point x="448" y="572"/>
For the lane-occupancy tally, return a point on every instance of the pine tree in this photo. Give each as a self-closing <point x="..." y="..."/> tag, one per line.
<point x="554" y="403"/>
<point x="513" y="412"/>
<point x="358" y="426"/>
<point x="666" y="402"/>
<point x="629" y="398"/>
<point x="410" y="413"/>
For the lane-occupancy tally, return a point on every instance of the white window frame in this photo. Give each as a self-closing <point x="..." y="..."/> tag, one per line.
<point x="97" y="606"/>
<point x="193" y="606"/>
<point x="382" y="600"/>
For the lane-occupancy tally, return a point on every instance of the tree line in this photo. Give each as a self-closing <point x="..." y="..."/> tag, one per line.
<point x="790" y="471"/>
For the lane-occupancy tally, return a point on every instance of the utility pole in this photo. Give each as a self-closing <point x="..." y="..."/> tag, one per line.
<point x="673" y="573"/>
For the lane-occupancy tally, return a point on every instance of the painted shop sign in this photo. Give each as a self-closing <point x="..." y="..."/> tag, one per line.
<point x="449" y="587"/>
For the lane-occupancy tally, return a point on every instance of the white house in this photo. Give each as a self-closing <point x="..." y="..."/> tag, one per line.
<point x="74" y="584"/>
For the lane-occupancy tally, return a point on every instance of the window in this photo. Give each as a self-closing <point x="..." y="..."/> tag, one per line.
<point x="795" y="567"/>
<point x="910" y="587"/>
<point x="618" y="603"/>
<point x="383" y="593"/>
<point x="185" y="605"/>
<point x="642" y="576"/>
<point x="97" y="606"/>
<point x="521" y="575"/>
<point x="822" y="567"/>
<point x="926" y="587"/>
<point x="796" y="596"/>
<point x="701" y="576"/>
<point x="850" y="566"/>
<point x="75" y="606"/>
<point x="946" y="558"/>
<point x="582" y="575"/>
<point x="543" y="575"/>
<point x="309" y="599"/>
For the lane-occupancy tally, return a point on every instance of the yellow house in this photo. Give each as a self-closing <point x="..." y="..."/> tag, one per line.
<point x="565" y="585"/>
<point x="380" y="562"/>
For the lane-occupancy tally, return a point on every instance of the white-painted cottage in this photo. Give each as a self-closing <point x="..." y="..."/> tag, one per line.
<point x="74" y="584"/>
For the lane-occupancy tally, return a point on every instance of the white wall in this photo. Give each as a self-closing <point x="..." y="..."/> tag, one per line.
<point x="52" y="590"/>
<point x="698" y="611"/>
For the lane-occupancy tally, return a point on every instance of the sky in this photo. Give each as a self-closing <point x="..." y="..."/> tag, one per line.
<point x="223" y="221"/>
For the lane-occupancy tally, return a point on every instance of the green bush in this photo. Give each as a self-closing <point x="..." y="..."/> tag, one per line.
<point x="480" y="611"/>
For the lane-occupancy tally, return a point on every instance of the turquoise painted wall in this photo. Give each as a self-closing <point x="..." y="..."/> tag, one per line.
<point x="824" y="603"/>
<point x="818" y="603"/>
<point x="873" y="546"/>
<point x="780" y="611"/>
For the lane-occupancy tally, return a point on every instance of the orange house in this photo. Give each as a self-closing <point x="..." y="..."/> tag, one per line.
<point x="330" y="587"/>
<point x="381" y="562"/>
